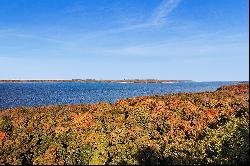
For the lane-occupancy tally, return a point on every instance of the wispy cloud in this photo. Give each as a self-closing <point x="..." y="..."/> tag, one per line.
<point x="197" y="46"/>
<point x="157" y="18"/>
<point x="162" y="11"/>
<point x="29" y="36"/>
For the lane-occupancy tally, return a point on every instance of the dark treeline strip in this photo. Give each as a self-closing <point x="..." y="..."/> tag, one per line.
<point x="94" y="80"/>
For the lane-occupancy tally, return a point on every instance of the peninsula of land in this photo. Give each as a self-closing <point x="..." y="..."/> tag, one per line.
<point x="94" y="80"/>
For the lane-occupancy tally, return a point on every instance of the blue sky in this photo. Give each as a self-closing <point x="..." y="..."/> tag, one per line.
<point x="117" y="39"/>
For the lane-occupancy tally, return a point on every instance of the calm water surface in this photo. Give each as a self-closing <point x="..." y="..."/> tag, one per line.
<point x="37" y="94"/>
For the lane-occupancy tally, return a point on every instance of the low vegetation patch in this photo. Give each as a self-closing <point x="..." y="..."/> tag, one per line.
<point x="183" y="128"/>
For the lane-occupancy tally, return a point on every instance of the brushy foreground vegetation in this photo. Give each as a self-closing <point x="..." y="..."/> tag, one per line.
<point x="184" y="128"/>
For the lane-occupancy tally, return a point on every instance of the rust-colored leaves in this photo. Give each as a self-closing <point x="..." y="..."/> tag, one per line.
<point x="2" y="135"/>
<point x="176" y="129"/>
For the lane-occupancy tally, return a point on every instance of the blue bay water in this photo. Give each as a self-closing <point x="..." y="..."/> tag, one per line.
<point x="40" y="94"/>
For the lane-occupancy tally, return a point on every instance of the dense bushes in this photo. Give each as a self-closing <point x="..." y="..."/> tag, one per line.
<point x="184" y="128"/>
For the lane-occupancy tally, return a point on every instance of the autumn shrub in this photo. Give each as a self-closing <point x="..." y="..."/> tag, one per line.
<point x="174" y="129"/>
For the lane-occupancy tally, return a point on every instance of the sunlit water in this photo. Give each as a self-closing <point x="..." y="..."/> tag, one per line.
<point x="38" y="94"/>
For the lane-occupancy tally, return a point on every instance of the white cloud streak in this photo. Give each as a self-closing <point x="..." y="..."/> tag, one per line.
<point x="29" y="36"/>
<point x="196" y="46"/>
<point x="162" y="11"/>
<point x="157" y="18"/>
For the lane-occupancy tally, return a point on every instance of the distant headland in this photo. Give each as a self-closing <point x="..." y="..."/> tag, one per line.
<point x="94" y="80"/>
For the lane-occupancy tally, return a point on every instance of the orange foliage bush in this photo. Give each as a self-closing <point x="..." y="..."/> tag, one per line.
<point x="2" y="135"/>
<point x="183" y="128"/>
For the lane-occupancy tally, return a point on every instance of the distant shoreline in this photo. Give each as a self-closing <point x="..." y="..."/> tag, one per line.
<point x="110" y="81"/>
<point x="93" y="80"/>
